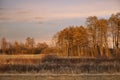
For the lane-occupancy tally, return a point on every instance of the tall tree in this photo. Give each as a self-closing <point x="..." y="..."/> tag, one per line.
<point x="102" y="26"/>
<point x="114" y="22"/>
<point x="92" y="27"/>
<point x="73" y="40"/>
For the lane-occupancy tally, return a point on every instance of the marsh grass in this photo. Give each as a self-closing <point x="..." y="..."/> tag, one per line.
<point x="56" y="65"/>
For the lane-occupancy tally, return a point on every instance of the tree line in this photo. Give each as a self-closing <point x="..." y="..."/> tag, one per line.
<point x="29" y="47"/>
<point x="99" y="38"/>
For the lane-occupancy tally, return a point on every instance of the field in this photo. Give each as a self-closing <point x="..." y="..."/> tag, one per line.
<point x="50" y="67"/>
<point x="56" y="65"/>
<point x="58" y="77"/>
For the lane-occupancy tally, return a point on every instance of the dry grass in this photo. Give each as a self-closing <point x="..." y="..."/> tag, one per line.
<point x="21" y="59"/>
<point x="37" y="56"/>
<point x="59" y="77"/>
<point x="53" y="64"/>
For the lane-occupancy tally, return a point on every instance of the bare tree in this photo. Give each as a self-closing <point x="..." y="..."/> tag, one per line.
<point x="114" y="22"/>
<point x="4" y="45"/>
<point x="92" y="27"/>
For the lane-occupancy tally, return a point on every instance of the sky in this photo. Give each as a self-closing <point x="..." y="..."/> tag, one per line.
<point x="42" y="19"/>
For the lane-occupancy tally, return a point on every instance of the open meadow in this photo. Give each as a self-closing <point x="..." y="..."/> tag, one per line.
<point x="59" y="77"/>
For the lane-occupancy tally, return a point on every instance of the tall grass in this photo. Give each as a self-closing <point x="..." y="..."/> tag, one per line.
<point x="54" y="64"/>
<point x="21" y="59"/>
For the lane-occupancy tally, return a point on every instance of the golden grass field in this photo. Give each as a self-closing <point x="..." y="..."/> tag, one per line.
<point x="37" y="56"/>
<point x="58" y="77"/>
<point x="20" y="59"/>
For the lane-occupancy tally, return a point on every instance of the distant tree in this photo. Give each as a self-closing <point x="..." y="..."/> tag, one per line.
<point x="11" y="49"/>
<point x="41" y="47"/>
<point x="16" y="47"/>
<point x="4" y="45"/>
<point x="30" y="44"/>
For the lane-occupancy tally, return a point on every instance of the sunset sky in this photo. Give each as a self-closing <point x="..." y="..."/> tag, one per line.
<point x="41" y="19"/>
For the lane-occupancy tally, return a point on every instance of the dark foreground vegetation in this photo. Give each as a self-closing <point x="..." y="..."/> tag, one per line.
<point x="61" y="65"/>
